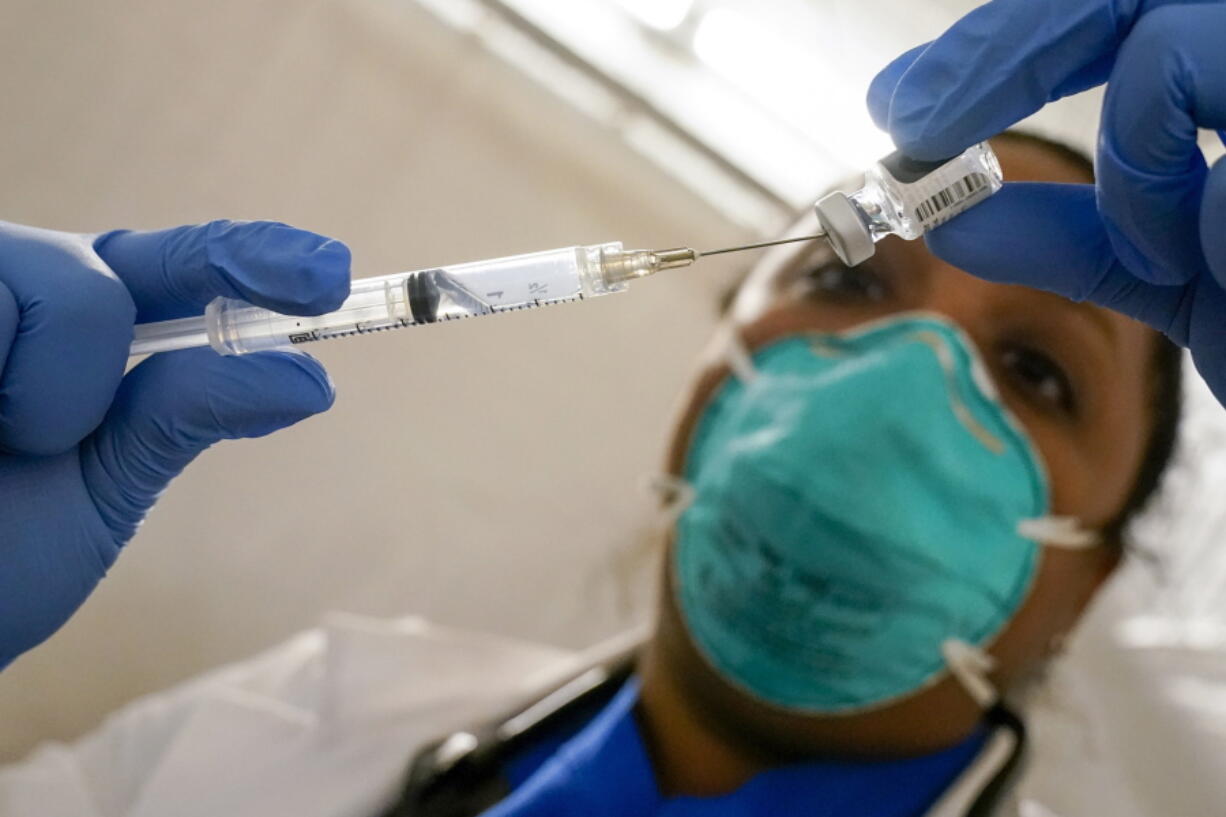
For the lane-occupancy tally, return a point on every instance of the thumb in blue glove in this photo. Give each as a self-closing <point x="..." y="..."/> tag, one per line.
<point x="1052" y="237"/>
<point x="128" y="461"/>
<point x="65" y="516"/>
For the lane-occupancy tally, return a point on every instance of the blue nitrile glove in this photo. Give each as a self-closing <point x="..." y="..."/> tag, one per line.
<point x="84" y="450"/>
<point x="1159" y="214"/>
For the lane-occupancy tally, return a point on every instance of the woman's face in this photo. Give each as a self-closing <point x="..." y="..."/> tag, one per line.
<point x="1075" y="375"/>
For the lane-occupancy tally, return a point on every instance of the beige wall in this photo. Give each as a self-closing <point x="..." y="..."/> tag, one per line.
<point x="481" y="473"/>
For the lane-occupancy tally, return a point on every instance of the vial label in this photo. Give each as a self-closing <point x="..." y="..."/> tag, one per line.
<point x="937" y="209"/>
<point x="906" y="198"/>
<point x="927" y="194"/>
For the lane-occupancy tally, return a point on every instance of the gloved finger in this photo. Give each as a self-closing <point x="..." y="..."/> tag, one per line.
<point x="1002" y="62"/>
<point x="67" y="355"/>
<point x="1171" y="74"/>
<point x="10" y="317"/>
<point x="173" y="406"/>
<point x="54" y="549"/>
<point x="175" y="273"/>
<point x="881" y="89"/>
<point x="1213" y="221"/>
<point x="1050" y="237"/>
<point x="1207" y="338"/>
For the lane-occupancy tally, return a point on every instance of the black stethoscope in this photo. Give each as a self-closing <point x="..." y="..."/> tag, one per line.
<point x="463" y="774"/>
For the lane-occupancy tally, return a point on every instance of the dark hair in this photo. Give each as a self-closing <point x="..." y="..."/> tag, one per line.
<point x="1166" y="370"/>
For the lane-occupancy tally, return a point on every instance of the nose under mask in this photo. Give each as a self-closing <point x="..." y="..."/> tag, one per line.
<point x="858" y="503"/>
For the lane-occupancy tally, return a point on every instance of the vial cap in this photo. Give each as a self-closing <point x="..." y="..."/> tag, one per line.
<point x="845" y="229"/>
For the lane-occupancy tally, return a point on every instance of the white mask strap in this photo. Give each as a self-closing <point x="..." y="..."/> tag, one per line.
<point x="971" y="665"/>
<point x="737" y="355"/>
<point x="676" y="495"/>
<point x="1058" y="531"/>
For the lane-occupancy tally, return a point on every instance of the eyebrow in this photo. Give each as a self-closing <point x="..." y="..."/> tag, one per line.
<point x="802" y="257"/>
<point x="1096" y="315"/>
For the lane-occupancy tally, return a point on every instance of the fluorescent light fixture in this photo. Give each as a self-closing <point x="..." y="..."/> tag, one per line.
<point x="662" y="15"/>
<point x="550" y="72"/>
<point x="794" y="83"/>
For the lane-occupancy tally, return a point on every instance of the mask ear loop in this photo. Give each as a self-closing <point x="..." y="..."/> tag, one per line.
<point x="1059" y="531"/>
<point x="676" y="496"/>
<point x="970" y="666"/>
<point x="675" y="493"/>
<point x="737" y="355"/>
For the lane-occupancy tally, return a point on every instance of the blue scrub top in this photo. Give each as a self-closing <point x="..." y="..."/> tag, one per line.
<point x="603" y="771"/>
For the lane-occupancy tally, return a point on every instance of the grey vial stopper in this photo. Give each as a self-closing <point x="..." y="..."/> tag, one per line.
<point x="845" y="229"/>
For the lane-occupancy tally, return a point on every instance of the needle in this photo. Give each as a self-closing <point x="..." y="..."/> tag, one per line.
<point x="760" y="246"/>
<point x="684" y="256"/>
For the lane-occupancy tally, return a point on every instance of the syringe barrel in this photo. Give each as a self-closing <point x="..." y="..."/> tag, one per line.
<point x="374" y="305"/>
<point x="169" y="336"/>
<point x="234" y="327"/>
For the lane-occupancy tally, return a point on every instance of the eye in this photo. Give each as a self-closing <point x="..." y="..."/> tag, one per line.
<point x="1041" y="377"/>
<point x="837" y="282"/>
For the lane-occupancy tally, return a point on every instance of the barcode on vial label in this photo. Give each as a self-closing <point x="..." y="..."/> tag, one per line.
<point x="951" y="197"/>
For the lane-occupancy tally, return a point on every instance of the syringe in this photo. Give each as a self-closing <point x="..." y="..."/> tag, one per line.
<point x="234" y="327"/>
<point x="900" y="197"/>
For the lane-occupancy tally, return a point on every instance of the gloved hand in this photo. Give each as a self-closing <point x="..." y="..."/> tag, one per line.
<point x="1150" y="241"/>
<point x="84" y="450"/>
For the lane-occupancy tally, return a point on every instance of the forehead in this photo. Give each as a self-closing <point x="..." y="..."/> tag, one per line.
<point x="1025" y="161"/>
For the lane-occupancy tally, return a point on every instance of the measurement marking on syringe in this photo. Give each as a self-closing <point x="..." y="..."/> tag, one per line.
<point x="412" y="299"/>
<point x="358" y="329"/>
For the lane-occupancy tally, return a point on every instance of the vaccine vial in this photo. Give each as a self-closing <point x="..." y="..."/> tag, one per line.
<point x="906" y="197"/>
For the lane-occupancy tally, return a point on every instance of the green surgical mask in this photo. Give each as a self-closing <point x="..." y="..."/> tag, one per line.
<point x="860" y="503"/>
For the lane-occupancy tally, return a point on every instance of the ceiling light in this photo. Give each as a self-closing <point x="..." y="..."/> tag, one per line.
<point x="662" y="15"/>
